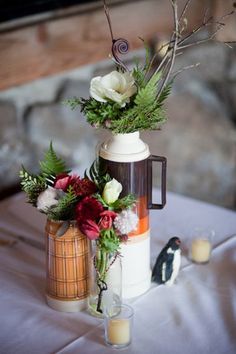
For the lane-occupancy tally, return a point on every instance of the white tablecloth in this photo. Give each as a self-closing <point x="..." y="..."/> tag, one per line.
<point x="196" y="315"/>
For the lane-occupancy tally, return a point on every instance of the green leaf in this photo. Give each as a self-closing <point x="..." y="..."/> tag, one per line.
<point x="165" y="93"/>
<point x="64" y="210"/>
<point x="98" y="174"/>
<point x="108" y="241"/>
<point x="52" y="165"/>
<point x="32" y="185"/>
<point x="127" y="202"/>
<point x="100" y="199"/>
<point x="146" y="96"/>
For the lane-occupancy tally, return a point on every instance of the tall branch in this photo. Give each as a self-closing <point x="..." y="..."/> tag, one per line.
<point x="176" y="27"/>
<point x="184" y="10"/>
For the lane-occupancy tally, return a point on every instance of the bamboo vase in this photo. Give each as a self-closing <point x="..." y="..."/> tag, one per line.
<point x="67" y="266"/>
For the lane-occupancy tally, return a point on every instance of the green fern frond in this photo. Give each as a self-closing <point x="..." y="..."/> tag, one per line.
<point x="139" y="77"/>
<point x="165" y="93"/>
<point x="64" y="210"/>
<point x="148" y="118"/>
<point x="147" y="95"/>
<point x="52" y="165"/>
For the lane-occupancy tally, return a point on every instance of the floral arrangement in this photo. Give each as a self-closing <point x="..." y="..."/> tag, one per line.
<point x="93" y="201"/>
<point x="128" y="100"/>
<point x="123" y="101"/>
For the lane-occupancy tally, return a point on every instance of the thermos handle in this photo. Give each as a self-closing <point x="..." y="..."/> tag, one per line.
<point x="151" y="159"/>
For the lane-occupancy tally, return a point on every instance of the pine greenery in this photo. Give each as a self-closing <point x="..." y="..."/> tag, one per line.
<point x="146" y="113"/>
<point x="143" y="112"/>
<point x="64" y="210"/>
<point x="124" y="203"/>
<point x="73" y="103"/>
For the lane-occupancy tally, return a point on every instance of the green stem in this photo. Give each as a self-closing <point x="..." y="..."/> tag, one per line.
<point x="103" y="265"/>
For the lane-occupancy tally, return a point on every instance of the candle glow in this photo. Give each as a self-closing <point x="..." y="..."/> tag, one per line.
<point x="118" y="331"/>
<point x="200" y="250"/>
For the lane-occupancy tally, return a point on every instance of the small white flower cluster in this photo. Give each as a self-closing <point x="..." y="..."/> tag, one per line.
<point x="126" y="221"/>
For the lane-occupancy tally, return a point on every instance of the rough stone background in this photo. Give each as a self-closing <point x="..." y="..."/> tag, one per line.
<point x="199" y="139"/>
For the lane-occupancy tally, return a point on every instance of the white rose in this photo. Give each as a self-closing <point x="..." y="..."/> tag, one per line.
<point x="48" y="198"/>
<point x="111" y="191"/>
<point x="118" y="87"/>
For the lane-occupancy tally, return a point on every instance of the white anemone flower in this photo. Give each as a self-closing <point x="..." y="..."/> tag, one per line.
<point x="116" y="86"/>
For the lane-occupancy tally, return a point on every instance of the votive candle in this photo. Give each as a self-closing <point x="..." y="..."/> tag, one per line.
<point x="118" y="325"/>
<point x="118" y="331"/>
<point x="200" y="250"/>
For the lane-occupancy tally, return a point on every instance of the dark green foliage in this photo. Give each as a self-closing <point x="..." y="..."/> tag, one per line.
<point x="64" y="210"/>
<point x="108" y="241"/>
<point x="32" y="185"/>
<point x="100" y="199"/>
<point x="98" y="175"/>
<point x="100" y="113"/>
<point x="124" y="203"/>
<point x="52" y="165"/>
<point x="165" y="93"/>
<point x="143" y="112"/>
<point x="73" y="103"/>
<point x="147" y="112"/>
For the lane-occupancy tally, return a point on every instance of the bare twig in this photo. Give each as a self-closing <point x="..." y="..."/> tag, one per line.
<point x="206" y="23"/>
<point x="172" y="59"/>
<point x="196" y="30"/>
<point x="176" y="73"/>
<point x="201" y="41"/>
<point x="184" y="10"/>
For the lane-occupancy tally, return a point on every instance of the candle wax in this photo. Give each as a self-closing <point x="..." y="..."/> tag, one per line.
<point x="118" y="331"/>
<point x="201" y="250"/>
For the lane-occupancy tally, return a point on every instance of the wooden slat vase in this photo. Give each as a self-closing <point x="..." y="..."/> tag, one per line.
<point x="67" y="251"/>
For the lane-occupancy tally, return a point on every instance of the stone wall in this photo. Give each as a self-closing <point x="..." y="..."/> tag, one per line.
<point x="199" y="138"/>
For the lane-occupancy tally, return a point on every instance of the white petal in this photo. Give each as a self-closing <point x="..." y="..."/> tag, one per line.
<point x="96" y="89"/>
<point x="113" y="95"/>
<point x="127" y="82"/>
<point x="111" y="81"/>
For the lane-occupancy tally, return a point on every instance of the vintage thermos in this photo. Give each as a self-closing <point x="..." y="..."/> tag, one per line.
<point x="127" y="158"/>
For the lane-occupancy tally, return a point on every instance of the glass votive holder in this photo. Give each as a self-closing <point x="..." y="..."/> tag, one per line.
<point x="118" y="324"/>
<point x="201" y="246"/>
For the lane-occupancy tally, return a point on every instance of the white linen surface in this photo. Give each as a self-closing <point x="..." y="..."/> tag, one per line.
<point x="196" y="315"/>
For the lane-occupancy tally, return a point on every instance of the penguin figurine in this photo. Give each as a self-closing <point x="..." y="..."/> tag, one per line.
<point x="168" y="263"/>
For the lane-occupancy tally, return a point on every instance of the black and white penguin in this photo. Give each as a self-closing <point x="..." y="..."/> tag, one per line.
<point x="168" y="263"/>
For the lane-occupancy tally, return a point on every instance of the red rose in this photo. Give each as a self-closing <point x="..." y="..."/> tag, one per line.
<point x="83" y="187"/>
<point x="90" y="229"/>
<point x="88" y="208"/>
<point x="107" y="218"/>
<point x="63" y="181"/>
